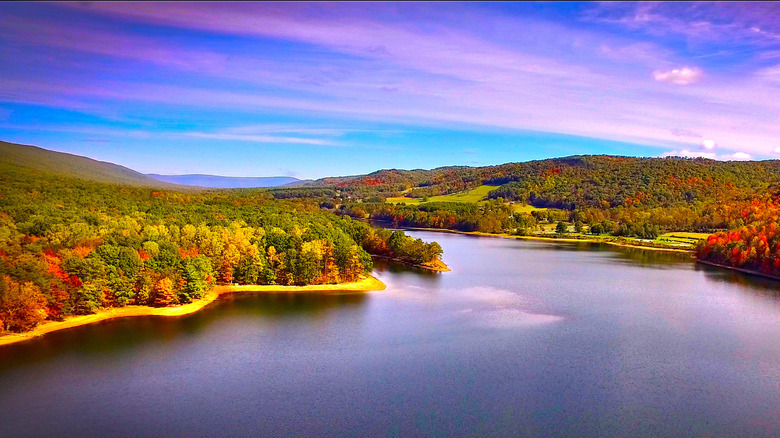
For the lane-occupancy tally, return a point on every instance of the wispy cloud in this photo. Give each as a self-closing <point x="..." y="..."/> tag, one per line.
<point x="254" y="138"/>
<point x="684" y="133"/>
<point x="418" y="65"/>
<point x="771" y="74"/>
<point x="679" y="76"/>
<point x="698" y="21"/>
<point x="736" y="156"/>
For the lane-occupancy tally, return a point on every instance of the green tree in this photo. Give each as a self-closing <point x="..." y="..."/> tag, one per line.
<point x="88" y="299"/>
<point x="195" y="272"/>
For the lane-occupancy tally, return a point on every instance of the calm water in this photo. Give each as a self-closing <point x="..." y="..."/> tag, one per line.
<point x="521" y="339"/>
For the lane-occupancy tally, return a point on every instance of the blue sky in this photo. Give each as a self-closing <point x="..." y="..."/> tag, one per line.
<point x="322" y="89"/>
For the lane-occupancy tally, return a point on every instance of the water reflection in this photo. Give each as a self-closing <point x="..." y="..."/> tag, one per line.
<point x="126" y="334"/>
<point x="382" y="265"/>
<point x="522" y="337"/>
<point x="750" y="283"/>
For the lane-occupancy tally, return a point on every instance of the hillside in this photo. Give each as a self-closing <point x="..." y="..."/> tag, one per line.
<point x="74" y="166"/>
<point x="70" y="246"/>
<point x="225" y="182"/>
<point x="577" y="181"/>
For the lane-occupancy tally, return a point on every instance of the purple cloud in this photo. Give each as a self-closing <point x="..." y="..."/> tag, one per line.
<point x="413" y="65"/>
<point x="679" y="76"/>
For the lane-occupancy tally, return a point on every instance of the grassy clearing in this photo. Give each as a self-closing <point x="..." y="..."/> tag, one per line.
<point x="685" y="235"/>
<point x="472" y="196"/>
<point x="403" y="200"/>
<point x="524" y="208"/>
<point x="681" y="237"/>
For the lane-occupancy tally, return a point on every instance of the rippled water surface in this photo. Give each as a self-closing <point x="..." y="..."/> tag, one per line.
<point x="522" y="338"/>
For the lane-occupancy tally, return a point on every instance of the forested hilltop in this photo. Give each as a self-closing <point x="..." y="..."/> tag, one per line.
<point x="70" y="246"/>
<point x="576" y="182"/>
<point x="594" y="195"/>
<point x="667" y="202"/>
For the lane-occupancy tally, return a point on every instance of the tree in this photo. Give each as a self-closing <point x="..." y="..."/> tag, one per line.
<point x="144" y="289"/>
<point x="164" y="294"/>
<point x="195" y="272"/>
<point x="354" y="267"/>
<point x="561" y="228"/>
<point x="22" y="305"/>
<point x="309" y="266"/>
<point x="88" y="299"/>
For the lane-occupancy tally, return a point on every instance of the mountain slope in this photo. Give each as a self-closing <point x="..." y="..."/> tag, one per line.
<point x="598" y="181"/>
<point x="74" y="166"/>
<point x="225" y="182"/>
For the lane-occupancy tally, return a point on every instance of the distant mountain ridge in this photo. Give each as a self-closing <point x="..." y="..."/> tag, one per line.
<point x="225" y="182"/>
<point x="38" y="159"/>
<point x="74" y="166"/>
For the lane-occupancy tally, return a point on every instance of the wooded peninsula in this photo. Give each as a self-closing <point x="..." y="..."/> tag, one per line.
<point x="70" y="246"/>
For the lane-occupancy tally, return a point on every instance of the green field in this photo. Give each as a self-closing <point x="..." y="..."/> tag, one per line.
<point x="476" y="194"/>
<point x="403" y="200"/>
<point x="681" y="237"/>
<point x="685" y="235"/>
<point x="525" y="208"/>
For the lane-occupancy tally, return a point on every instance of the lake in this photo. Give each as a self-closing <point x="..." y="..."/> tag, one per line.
<point x="522" y="338"/>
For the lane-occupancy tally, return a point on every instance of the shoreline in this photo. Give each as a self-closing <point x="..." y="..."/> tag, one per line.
<point x="437" y="267"/>
<point x="551" y="239"/>
<point x="367" y="284"/>
<point x="736" y="269"/>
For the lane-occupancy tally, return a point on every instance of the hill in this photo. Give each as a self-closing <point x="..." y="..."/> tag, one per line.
<point x="63" y="164"/>
<point x="225" y="182"/>
<point x="71" y="246"/>
<point x="594" y="181"/>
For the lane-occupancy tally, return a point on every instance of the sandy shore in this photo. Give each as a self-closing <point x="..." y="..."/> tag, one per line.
<point x="552" y="239"/>
<point x="364" y="285"/>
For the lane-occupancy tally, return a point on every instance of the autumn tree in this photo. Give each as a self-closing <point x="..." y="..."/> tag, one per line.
<point x="22" y="305"/>
<point x="164" y="295"/>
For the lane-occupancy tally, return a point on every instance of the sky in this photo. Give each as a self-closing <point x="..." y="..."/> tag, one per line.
<point x="324" y="89"/>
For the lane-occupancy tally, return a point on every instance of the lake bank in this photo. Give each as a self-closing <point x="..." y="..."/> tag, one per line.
<point x="742" y="270"/>
<point x="555" y="239"/>
<point x="436" y="265"/>
<point x="366" y="284"/>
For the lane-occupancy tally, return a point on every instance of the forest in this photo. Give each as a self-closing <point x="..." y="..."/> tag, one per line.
<point x="576" y="182"/>
<point x="754" y="246"/>
<point x="618" y="196"/>
<point x="70" y="246"/>
<point x="641" y="198"/>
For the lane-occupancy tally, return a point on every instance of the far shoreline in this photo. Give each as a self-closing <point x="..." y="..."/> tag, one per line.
<point x="367" y="284"/>
<point x="550" y="239"/>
